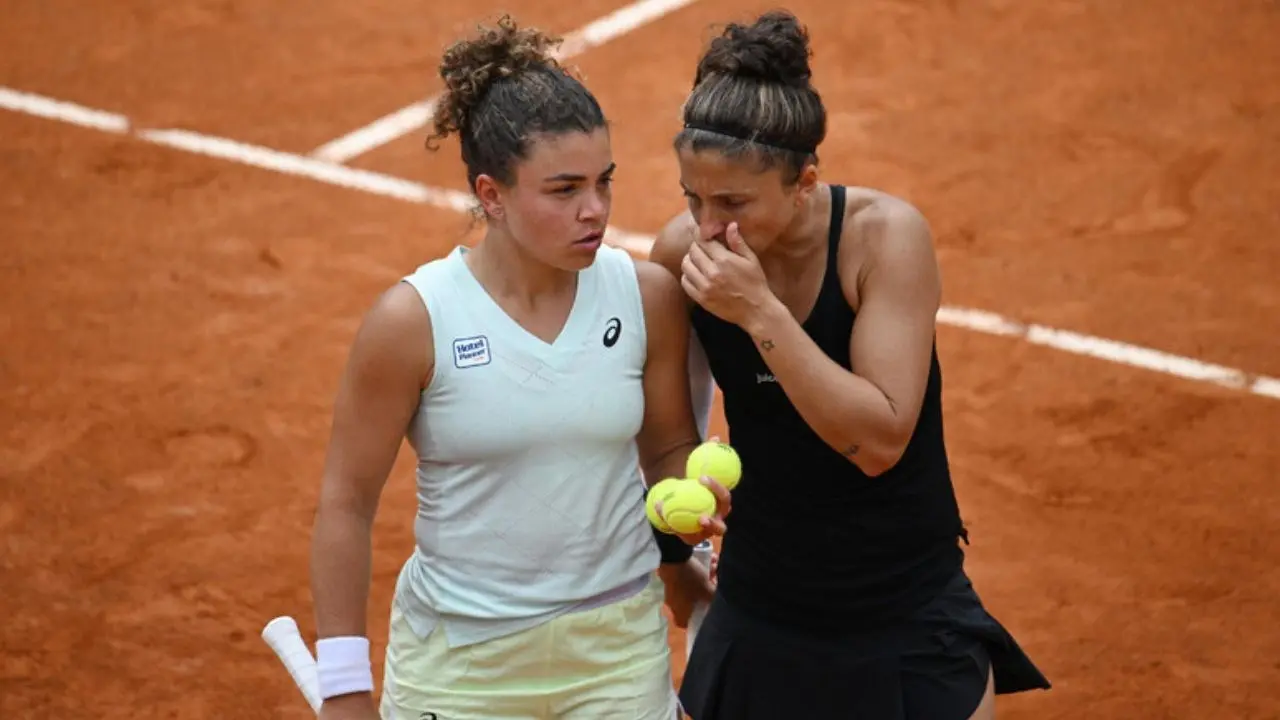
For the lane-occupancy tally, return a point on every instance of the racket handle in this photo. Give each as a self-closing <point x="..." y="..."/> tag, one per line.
<point x="282" y="635"/>
<point x="702" y="554"/>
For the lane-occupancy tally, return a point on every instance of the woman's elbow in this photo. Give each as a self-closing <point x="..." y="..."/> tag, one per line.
<point x="877" y="458"/>
<point x="874" y="465"/>
<point x="342" y="500"/>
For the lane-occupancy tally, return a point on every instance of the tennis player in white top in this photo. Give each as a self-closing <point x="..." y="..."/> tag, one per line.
<point x="535" y="375"/>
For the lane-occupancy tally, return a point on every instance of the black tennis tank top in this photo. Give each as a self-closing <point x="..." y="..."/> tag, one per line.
<point x="813" y="543"/>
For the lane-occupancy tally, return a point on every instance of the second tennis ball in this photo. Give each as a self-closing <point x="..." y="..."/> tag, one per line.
<point x="660" y="491"/>
<point x="717" y="461"/>
<point x="687" y="501"/>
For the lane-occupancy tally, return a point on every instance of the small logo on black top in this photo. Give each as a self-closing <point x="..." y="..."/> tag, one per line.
<point x="612" y="331"/>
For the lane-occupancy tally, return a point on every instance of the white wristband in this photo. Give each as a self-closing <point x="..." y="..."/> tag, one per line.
<point x="342" y="666"/>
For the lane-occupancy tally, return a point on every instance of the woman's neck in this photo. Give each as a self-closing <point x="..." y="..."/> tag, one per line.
<point x="507" y="271"/>
<point x="804" y="238"/>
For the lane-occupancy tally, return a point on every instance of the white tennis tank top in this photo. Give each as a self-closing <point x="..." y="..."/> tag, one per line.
<point x="530" y="495"/>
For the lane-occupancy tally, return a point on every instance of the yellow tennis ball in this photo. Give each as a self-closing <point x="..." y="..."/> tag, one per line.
<point x="717" y="461"/>
<point x="687" y="501"/>
<point x="660" y="491"/>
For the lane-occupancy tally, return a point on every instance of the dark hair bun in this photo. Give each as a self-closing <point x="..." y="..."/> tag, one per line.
<point x="775" y="48"/>
<point x="470" y="67"/>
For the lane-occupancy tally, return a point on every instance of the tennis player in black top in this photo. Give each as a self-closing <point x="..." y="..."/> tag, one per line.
<point x="841" y="591"/>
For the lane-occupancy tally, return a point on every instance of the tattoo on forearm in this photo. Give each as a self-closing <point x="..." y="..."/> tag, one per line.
<point x="767" y="345"/>
<point x="852" y="450"/>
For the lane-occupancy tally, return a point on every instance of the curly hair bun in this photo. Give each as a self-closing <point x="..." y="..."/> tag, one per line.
<point x="470" y="67"/>
<point x="775" y="48"/>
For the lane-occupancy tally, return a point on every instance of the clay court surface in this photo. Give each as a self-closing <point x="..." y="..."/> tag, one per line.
<point x="174" y="324"/>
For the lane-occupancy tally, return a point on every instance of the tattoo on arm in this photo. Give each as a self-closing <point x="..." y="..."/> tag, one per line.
<point x="852" y="450"/>
<point x="767" y="345"/>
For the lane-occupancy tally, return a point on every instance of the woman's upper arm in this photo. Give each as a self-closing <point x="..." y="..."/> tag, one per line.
<point x="898" y="290"/>
<point x="668" y="417"/>
<point x="668" y="251"/>
<point x="390" y="362"/>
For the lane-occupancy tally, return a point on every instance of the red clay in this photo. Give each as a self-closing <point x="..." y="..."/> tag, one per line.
<point x="174" y="325"/>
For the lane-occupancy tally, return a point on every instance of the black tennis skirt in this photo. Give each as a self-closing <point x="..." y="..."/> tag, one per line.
<point x="932" y="667"/>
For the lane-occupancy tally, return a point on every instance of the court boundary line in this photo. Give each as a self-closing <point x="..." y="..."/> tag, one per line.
<point x="415" y="116"/>
<point x="639" y="244"/>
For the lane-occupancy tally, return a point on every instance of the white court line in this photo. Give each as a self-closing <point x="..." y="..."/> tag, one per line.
<point x="343" y="176"/>
<point x="636" y="243"/>
<point x="298" y="165"/>
<point x="1111" y="350"/>
<point x="412" y="118"/>
<point x="66" y="112"/>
